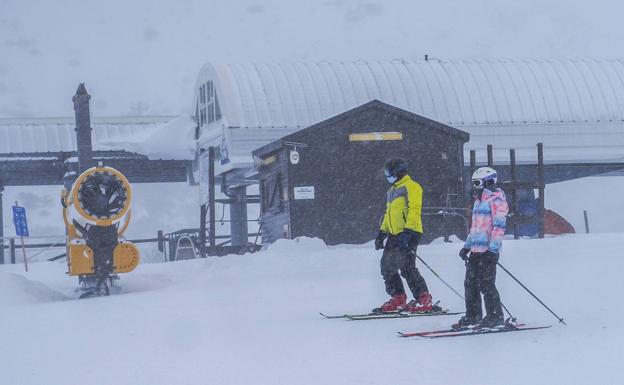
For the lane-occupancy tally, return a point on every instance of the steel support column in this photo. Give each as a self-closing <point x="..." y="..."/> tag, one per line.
<point x="212" y="216"/>
<point x="541" y="189"/>
<point x="238" y="216"/>
<point x="514" y="192"/>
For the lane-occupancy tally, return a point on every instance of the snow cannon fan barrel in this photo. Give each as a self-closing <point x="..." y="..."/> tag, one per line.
<point x="96" y="212"/>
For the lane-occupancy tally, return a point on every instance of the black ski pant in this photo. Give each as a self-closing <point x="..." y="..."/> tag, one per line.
<point x="481" y="278"/>
<point x="396" y="263"/>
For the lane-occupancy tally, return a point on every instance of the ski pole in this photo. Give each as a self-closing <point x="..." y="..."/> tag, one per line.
<point x="513" y="319"/>
<point x="440" y="278"/>
<point x="530" y="292"/>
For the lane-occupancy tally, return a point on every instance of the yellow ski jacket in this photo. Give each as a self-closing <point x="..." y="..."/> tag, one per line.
<point x="403" y="207"/>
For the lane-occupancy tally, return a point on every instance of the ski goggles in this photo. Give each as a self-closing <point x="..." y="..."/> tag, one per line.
<point x="478" y="183"/>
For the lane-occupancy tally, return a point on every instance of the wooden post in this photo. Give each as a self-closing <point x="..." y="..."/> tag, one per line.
<point x="473" y="162"/>
<point x="514" y="193"/>
<point x="490" y="156"/>
<point x="24" y="254"/>
<point x="541" y="188"/>
<point x="469" y="194"/>
<point x="586" y="221"/>
<point x="12" y="250"/>
<point x="161" y="241"/>
<point x="202" y="230"/>
<point x="160" y="236"/>
<point x="212" y="197"/>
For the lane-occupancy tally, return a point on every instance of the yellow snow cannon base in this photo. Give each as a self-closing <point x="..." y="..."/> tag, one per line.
<point x="125" y="257"/>
<point x="80" y="259"/>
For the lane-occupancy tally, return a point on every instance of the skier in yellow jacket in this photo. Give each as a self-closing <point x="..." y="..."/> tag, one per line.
<point x="402" y="226"/>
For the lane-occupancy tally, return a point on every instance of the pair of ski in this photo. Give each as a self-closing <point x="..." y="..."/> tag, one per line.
<point x="452" y="332"/>
<point x="390" y="315"/>
<point x="472" y="331"/>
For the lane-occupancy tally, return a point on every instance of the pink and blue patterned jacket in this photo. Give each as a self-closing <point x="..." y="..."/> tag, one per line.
<point x="489" y="219"/>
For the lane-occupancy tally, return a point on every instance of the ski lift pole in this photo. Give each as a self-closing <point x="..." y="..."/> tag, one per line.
<point x="530" y="292"/>
<point x="440" y="278"/>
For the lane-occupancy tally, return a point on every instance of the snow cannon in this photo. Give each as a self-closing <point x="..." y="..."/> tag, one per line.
<point x="96" y="212"/>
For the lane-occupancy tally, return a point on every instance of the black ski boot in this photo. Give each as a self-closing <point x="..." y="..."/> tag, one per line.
<point x="465" y="322"/>
<point x="494" y="322"/>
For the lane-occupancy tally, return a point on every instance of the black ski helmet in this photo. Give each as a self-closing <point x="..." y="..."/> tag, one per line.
<point x="396" y="167"/>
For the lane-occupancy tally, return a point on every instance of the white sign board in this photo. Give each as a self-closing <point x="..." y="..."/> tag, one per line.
<point x="304" y="192"/>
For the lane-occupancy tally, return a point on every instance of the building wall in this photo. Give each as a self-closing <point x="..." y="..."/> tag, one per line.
<point x="348" y="180"/>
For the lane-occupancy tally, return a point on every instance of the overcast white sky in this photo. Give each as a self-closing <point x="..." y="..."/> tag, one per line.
<point x="143" y="56"/>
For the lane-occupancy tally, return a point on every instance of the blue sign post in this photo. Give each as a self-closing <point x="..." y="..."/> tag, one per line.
<point x="21" y="227"/>
<point x="19" y="219"/>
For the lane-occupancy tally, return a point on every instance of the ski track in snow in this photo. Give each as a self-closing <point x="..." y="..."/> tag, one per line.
<point x="253" y="319"/>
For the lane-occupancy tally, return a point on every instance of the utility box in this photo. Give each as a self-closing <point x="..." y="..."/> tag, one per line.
<point x="327" y="180"/>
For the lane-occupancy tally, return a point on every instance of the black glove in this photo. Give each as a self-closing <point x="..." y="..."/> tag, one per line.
<point x="379" y="241"/>
<point x="404" y="238"/>
<point x="463" y="253"/>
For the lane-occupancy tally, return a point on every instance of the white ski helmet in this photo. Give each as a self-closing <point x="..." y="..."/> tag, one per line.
<point x="482" y="175"/>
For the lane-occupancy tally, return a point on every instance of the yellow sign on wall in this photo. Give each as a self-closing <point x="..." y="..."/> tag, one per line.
<point x="375" y="136"/>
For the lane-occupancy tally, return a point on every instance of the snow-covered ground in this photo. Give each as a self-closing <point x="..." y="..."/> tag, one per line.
<point x="254" y="319"/>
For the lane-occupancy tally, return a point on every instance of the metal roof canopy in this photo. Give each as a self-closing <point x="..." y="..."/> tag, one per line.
<point x="48" y="168"/>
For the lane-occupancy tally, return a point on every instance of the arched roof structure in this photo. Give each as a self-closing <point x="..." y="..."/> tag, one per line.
<point x="455" y="92"/>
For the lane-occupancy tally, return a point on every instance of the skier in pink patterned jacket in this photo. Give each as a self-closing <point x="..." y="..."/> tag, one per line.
<point x="482" y="249"/>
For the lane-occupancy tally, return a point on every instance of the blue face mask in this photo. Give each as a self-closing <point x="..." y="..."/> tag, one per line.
<point x="391" y="178"/>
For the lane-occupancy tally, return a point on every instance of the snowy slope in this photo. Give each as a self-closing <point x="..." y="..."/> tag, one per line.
<point x="571" y="198"/>
<point x="254" y="319"/>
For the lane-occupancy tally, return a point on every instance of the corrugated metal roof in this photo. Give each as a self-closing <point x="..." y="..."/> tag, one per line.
<point x="455" y="92"/>
<point x="23" y="135"/>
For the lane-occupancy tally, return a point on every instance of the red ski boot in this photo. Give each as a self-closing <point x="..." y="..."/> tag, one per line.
<point x="396" y="303"/>
<point x="423" y="304"/>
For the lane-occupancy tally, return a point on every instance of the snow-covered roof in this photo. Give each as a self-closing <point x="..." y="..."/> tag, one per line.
<point x="511" y="103"/>
<point x="172" y="140"/>
<point x="24" y="135"/>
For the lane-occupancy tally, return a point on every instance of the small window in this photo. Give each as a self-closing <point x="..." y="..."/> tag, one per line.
<point x="202" y="94"/>
<point x="217" y="109"/>
<point x="202" y="116"/>
<point x="211" y="114"/>
<point x="210" y="93"/>
<point x="272" y="198"/>
<point x="208" y="104"/>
